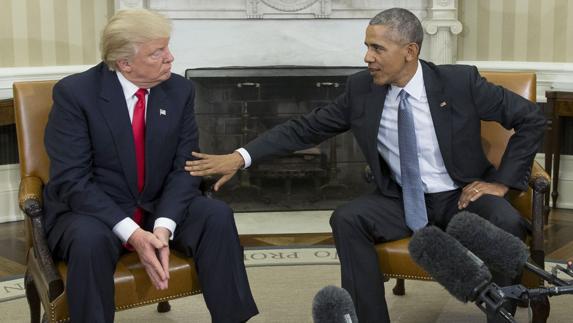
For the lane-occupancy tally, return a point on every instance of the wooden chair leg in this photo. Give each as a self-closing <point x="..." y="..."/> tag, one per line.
<point x="399" y="289"/>
<point x="33" y="298"/>
<point x="163" y="307"/>
<point x="540" y="308"/>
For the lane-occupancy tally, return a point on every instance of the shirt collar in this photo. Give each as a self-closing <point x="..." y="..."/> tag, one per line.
<point x="129" y="89"/>
<point x="414" y="87"/>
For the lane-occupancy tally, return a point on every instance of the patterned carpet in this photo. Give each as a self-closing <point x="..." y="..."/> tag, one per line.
<point x="284" y="294"/>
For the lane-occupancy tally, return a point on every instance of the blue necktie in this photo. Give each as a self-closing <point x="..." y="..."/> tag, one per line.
<point x="412" y="190"/>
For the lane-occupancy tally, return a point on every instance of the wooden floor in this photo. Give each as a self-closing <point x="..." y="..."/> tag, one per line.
<point x="558" y="244"/>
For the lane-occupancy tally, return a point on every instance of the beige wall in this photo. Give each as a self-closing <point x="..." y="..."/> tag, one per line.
<point x="516" y="30"/>
<point x="51" y="32"/>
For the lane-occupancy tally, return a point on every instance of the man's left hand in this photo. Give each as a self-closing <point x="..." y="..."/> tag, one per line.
<point x="475" y="190"/>
<point x="163" y="235"/>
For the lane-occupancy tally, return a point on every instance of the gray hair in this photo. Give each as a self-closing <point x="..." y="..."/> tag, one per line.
<point x="129" y="28"/>
<point x="404" y="24"/>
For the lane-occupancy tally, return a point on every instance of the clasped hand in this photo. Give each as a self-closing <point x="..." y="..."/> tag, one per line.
<point x="475" y="190"/>
<point x="153" y="252"/>
<point x="226" y="165"/>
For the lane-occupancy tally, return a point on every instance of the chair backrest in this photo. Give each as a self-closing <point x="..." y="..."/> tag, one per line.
<point x="494" y="136"/>
<point x="32" y="105"/>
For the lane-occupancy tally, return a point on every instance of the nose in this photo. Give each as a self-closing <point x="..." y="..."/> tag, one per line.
<point x="368" y="57"/>
<point x="168" y="56"/>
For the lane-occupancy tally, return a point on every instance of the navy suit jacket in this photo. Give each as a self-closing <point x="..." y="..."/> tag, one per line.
<point x="469" y="98"/>
<point x="89" y="141"/>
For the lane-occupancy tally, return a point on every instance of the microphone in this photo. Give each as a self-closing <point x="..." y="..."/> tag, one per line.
<point x="501" y="251"/>
<point x="333" y="305"/>
<point x="462" y="273"/>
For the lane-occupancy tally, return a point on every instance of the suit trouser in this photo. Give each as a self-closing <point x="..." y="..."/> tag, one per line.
<point x="208" y="234"/>
<point x="375" y="218"/>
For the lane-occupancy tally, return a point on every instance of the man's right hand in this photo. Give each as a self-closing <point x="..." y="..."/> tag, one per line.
<point x="226" y="165"/>
<point x="147" y="245"/>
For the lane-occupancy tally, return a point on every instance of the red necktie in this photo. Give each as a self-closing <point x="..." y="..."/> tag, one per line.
<point x="138" y="125"/>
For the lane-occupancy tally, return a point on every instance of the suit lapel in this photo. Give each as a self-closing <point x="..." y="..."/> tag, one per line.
<point x="156" y="126"/>
<point x="373" y="106"/>
<point x="441" y="111"/>
<point x="114" y="110"/>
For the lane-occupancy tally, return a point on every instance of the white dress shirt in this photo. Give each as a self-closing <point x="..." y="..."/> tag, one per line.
<point x="435" y="177"/>
<point x="125" y="228"/>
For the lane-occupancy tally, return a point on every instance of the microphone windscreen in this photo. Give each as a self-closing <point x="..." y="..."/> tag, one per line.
<point x="501" y="251"/>
<point x="333" y="305"/>
<point x="449" y="263"/>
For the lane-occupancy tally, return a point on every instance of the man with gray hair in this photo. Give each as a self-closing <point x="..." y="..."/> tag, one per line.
<point x="411" y="119"/>
<point x="117" y="137"/>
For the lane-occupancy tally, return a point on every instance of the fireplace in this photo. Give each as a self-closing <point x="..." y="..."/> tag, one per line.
<point x="234" y="105"/>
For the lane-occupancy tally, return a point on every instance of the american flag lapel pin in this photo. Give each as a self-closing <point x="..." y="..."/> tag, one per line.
<point x="162" y="112"/>
<point x="443" y="104"/>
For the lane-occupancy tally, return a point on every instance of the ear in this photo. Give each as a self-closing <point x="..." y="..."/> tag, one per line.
<point x="412" y="51"/>
<point x="123" y="65"/>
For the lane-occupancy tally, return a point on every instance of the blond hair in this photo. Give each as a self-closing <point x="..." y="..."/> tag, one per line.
<point x="129" y="28"/>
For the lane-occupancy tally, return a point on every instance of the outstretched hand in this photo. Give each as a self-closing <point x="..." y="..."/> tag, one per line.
<point x="226" y="165"/>
<point x="475" y="190"/>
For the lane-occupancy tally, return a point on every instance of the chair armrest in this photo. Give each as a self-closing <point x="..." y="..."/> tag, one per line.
<point x="538" y="174"/>
<point x="539" y="183"/>
<point x="30" y="189"/>
<point x="30" y="197"/>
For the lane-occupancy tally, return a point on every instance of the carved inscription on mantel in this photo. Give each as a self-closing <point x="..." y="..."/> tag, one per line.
<point x="272" y="9"/>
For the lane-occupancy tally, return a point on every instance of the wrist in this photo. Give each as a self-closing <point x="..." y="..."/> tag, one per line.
<point x="239" y="162"/>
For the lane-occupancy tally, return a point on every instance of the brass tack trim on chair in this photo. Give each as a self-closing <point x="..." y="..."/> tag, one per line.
<point x="28" y="197"/>
<point x="408" y="277"/>
<point x="120" y="308"/>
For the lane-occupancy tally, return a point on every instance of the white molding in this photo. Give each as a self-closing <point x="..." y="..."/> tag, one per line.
<point x="271" y="9"/>
<point x="9" y="75"/>
<point x="565" y="199"/>
<point x="442" y="28"/>
<point x="550" y="76"/>
<point x="9" y="183"/>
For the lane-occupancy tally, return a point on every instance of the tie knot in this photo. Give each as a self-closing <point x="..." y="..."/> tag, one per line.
<point x="403" y="95"/>
<point x="140" y="94"/>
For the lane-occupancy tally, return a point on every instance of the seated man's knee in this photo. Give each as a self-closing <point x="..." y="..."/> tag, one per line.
<point x="502" y="214"/>
<point x="219" y="214"/>
<point x="342" y="217"/>
<point x="92" y="241"/>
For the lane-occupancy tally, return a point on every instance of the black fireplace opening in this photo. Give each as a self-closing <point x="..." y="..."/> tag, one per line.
<point x="233" y="105"/>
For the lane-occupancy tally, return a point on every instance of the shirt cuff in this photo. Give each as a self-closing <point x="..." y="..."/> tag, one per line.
<point x="166" y="223"/>
<point x="125" y="228"/>
<point x="246" y="157"/>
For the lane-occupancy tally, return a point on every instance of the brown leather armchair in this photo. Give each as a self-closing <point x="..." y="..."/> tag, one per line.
<point x="393" y="257"/>
<point x="45" y="279"/>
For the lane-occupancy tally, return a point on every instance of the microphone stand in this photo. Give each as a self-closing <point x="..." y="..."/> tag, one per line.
<point x="492" y="297"/>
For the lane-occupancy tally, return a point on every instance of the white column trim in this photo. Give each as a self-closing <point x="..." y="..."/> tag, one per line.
<point x="9" y="75"/>
<point x="442" y="27"/>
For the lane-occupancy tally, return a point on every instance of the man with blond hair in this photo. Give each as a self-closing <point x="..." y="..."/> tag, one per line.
<point x="117" y="137"/>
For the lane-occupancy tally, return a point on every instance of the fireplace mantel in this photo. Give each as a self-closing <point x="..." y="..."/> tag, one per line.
<point x="291" y="32"/>
<point x="268" y="9"/>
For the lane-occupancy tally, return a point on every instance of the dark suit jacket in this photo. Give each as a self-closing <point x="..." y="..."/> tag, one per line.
<point x="469" y="97"/>
<point x="89" y="142"/>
